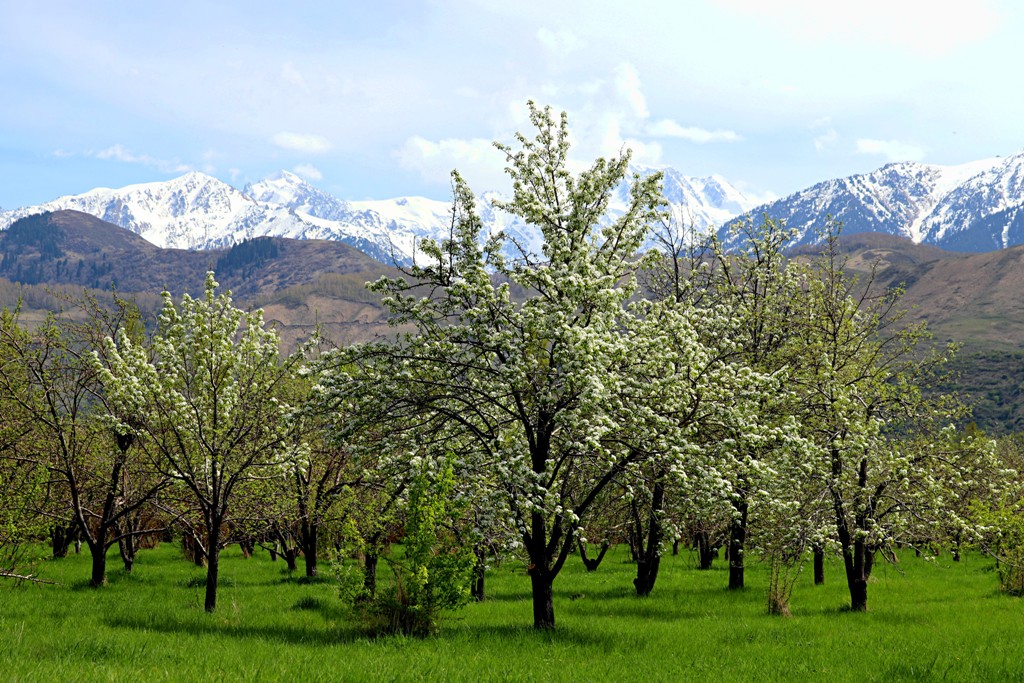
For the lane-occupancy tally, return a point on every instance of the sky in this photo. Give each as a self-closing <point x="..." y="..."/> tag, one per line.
<point x="377" y="100"/>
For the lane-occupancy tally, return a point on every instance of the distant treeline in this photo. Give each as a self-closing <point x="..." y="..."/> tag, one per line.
<point x="991" y="383"/>
<point x="245" y="257"/>
<point x="351" y="286"/>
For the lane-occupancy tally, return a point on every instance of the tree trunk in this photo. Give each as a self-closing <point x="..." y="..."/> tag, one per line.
<point x="737" y="544"/>
<point x="705" y="551"/>
<point x="370" y="573"/>
<point x="212" y="565"/>
<point x="310" y="540"/>
<point x="98" y="551"/>
<point x="819" y="567"/>
<point x="859" y="595"/>
<point x="61" y="537"/>
<point x="650" y="557"/>
<point x="592" y="564"/>
<point x="646" y="575"/>
<point x="193" y="547"/>
<point x="541" y="576"/>
<point x="290" y="556"/>
<point x="476" y="590"/>
<point x="128" y="544"/>
<point x="543" y="603"/>
<point x="127" y="554"/>
<point x="857" y="560"/>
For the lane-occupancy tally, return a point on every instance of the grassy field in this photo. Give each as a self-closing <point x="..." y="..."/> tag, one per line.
<point x="926" y="621"/>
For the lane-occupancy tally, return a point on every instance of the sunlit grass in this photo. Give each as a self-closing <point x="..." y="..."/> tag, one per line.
<point x="926" y="620"/>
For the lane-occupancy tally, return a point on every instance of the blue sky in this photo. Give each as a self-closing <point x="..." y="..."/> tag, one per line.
<point x="375" y="100"/>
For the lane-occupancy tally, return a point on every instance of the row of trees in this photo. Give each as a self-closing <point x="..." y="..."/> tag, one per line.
<point x="535" y="404"/>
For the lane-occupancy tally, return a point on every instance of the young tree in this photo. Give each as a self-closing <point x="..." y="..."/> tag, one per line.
<point x="101" y="480"/>
<point x="530" y="379"/>
<point x="22" y="476"/>
<point x="861" y="385"/>
<point x="205" y="403"/>
<point x="758" y="292"/>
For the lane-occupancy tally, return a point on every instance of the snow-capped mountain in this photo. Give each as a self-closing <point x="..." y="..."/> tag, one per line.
<point x="701" y="202"/>
<point x="194" y="211"/>
<point x="197" y="211"/>
<point x="967" y="207"/>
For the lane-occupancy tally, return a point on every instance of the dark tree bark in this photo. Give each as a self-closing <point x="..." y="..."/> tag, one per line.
<point x="476" y="590"/>
<point x="706" y="552"/>
<point x="61" y="537"/>
<point x="286" y="546"/>
<point x="543" y="602"/>
<point x="649" y="555"/>
<point x="291" y="556"/>
<point x="370" y="573"/>
<point x="309" y="533"/>
<point x="819" y="566"/>
<point x="592" y="563"/>
<point x="737" y="544"/>
<point x="858" y="557"/>
<point x="127" y="547"/>
<point x="542" y="572"/>
<point x="99" y="565"/>
<point x="212" y="563"/>
<point x="193" y="548"/>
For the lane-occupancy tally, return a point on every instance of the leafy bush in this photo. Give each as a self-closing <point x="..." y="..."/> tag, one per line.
<point x="434" y="573"/>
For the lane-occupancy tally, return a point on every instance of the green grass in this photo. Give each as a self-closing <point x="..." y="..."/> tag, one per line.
<point x="926" y="621"/>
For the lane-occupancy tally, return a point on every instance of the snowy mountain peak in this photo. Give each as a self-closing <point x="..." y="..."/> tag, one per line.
<point x="285" y="189"/>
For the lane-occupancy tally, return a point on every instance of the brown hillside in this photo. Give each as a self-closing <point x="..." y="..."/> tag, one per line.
<point x="300" y="283"/>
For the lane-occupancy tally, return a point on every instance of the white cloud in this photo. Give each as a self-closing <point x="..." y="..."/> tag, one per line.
<point x="893" y="150"/>
<point x="475" y="158"/>
<point x="302" y="142"/>
<point x="292" y="75"/>
<point x="607" y="116"/>
<point x="629" y="89"/>
<point x="826" y="141"/>
<point x="925" y="27"/>
<point x="667" y="128"/>
<point x="118" y="152"/>
<point x="561" y="42"/>
<point x="308" y="171"/>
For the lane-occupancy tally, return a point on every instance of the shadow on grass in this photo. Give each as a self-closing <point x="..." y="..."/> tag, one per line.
<point x="113" y="579"/>
<point x="525" y="633"/>
<point x="206" y="626"/>
<point x="352" y="633"/>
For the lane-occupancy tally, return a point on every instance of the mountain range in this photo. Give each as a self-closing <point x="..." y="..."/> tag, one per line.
<point x="199" y="212"/>
<point x="969" y="207"/>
